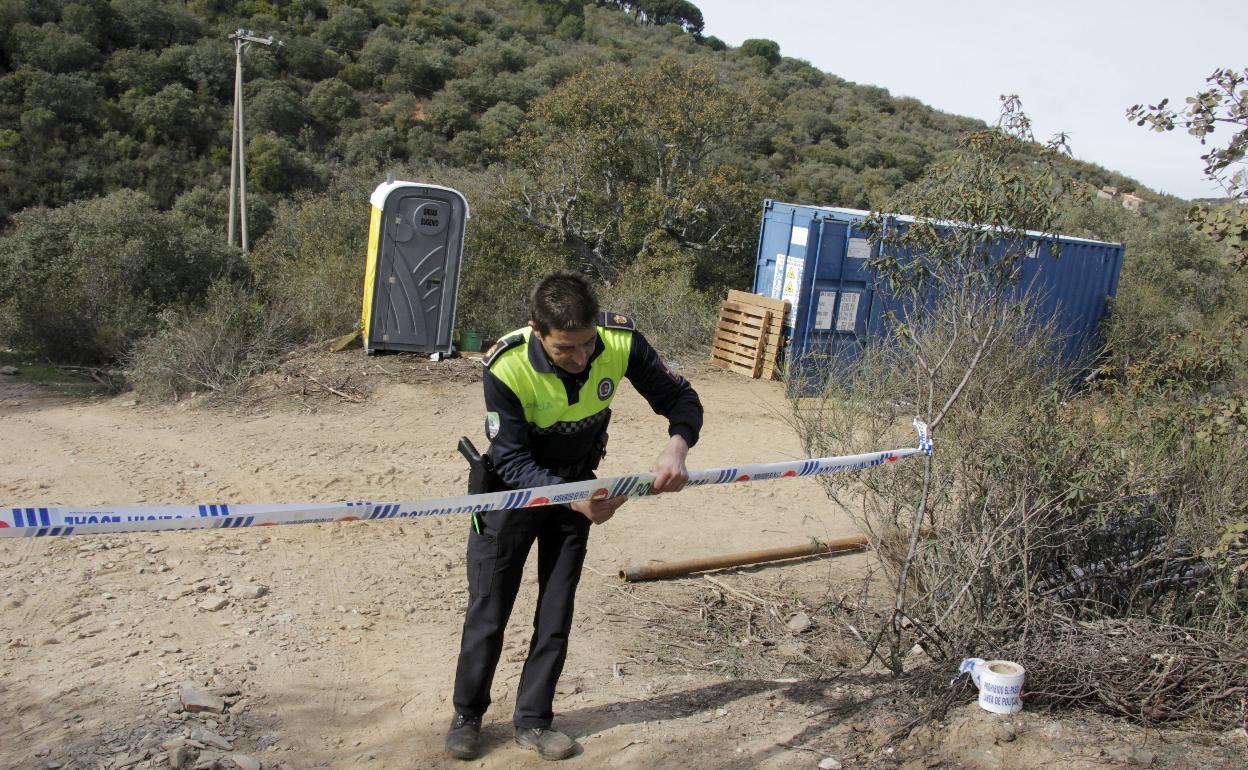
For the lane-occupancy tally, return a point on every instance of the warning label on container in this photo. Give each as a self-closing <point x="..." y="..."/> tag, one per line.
<point x="823" y="312"/>
<point x="848" y="317"/>
<point x="859" y="248"/>
<point x="786" y="283"/>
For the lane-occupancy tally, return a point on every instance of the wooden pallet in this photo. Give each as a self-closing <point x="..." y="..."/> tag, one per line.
<point x="748" y="334"/>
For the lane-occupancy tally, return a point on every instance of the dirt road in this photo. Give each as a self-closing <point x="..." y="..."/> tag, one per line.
<point x="335" y="645"/>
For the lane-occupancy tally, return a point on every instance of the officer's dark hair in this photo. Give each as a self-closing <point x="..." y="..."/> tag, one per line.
<point x="563" y="301"/>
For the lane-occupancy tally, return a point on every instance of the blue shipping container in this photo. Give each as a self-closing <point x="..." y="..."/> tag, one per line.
<point x="816" y="258"/>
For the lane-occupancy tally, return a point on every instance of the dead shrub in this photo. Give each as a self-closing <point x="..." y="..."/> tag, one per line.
<point x="1063" y="529"/>
<point x="230" y="338"/>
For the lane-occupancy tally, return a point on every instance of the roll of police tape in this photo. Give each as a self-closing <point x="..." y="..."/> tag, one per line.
<point x="1000" y="684"/>
<point x="51" y="522"/>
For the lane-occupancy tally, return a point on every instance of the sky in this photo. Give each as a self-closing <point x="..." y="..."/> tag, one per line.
<point x="1077" y="66"/>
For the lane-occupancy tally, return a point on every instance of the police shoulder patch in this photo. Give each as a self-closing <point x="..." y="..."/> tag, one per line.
<point x="500" y="347"/>
<point x="605" y="388"/>
<point x="612" y="320"/>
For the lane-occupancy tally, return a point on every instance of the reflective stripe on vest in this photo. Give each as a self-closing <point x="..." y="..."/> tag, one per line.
<point x="544" y="396"/>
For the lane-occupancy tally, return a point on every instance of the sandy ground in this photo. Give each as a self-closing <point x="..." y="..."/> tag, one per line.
<point x="347" y="658"/>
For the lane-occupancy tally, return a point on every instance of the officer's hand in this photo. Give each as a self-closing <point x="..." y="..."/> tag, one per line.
<point x="598" y="511"/>
<point x="671" y="475"/>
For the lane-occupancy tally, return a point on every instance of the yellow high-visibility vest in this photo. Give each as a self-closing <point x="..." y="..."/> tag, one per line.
<point x="543" y="395"/>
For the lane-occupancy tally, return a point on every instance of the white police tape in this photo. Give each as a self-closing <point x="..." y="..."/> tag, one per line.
<point x="1000" y="683"/>
<point x="51" y="522"/>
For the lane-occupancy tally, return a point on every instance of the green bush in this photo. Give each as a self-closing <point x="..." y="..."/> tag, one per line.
<point x="762" y="48"/>
<point x="677" y="320"/>
<point x="81" y="283"/>
<point x="502" y="263"/>
<point x="332" y="101"/>
<point x="499" y="270"/>
<point x="274" y="165"/>
<point x="273" y="106"/>
<point x="312" y="260"/>
<point x="210" y="208"/>
<point x="234" y="335"/>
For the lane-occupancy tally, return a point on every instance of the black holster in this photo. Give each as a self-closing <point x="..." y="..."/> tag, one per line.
<point x="481" y="475"/>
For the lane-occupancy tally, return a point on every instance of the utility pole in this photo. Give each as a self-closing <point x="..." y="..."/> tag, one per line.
<point x="238" y="143"/>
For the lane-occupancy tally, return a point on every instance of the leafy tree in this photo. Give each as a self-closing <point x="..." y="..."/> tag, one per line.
<point x="357" y="76"/>
<point x="682" y="13"/>
<point x="468" y="148"/>
<point x="383" y="51"/>
<point x="172" y="65"/>
<point x="210" y="66"/>
<point x="371" y="148"/>
<point x="260" y="63"/>
<point x="556" y="10"/>
<point x="714" y="43"/>
<point x="156" y="24"/>
<point x="133" y="69"/>
<point x="275" y="166"/>
<point x="309" y="59"/>
<point x="767" y="50"/>
<point x="12" y="13"/>
<point x="500" y="123"/>
<point x="172" y="114"/>
<point x="331" y="102"/>
<point x="621" y="166"/>
<point x="447" y="113"/>
<point x="94" y="20"/>
<point x="209" y="208"/>
<point x="52" y="49"/>
<point x="551" y="71"/>
<point x="570" y="28"/>
<point x="494" y="56"/>
<point x="347" y="27"/>
<point x="1000" y="181"/>
<point x="274" y="106"/>
<point x="417" y="68"/>
<point x="312" y="262"/>
<point x="75" y="99"/>
<point x="1224" y="103"/>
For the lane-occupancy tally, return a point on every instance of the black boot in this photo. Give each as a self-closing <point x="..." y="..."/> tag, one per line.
<point x="463" y="740"/>
<point x="549" y="744"/>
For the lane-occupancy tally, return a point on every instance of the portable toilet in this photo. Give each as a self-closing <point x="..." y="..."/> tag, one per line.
<point x="818" y="258"/>
<point x="411" y="279"/>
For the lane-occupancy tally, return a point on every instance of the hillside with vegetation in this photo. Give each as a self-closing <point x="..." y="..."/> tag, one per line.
<point x="115" y="118"/>
<point x="137" y="94"/>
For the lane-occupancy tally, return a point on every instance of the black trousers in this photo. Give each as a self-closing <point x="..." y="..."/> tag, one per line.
<point x="496" y="557"/>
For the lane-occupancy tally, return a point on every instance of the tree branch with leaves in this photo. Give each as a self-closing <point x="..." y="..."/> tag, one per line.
<point x="1223" y="104"/>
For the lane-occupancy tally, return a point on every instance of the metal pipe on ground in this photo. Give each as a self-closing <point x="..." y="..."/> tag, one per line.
<point x="838" y="546"/>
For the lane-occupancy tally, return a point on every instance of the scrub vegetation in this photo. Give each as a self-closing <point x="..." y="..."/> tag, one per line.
<point x="1089" y="521"/>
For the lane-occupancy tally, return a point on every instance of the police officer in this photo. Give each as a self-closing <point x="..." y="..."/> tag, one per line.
<point x="548" y="392"/>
